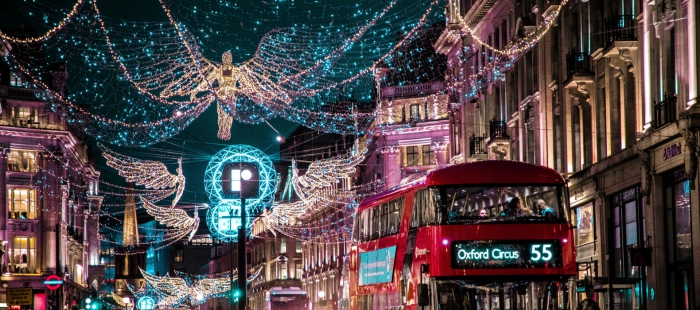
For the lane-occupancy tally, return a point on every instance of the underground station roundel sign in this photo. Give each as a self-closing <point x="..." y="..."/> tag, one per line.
<point x="53" y="282"/>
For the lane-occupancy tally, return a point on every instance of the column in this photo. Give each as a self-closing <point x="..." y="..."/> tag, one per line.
<point x="4" y="151"/>
<point x="647" y="56"/>
<point x="692" y="56"/>
<point x="92" y="230"/>
<point x="440" y="150"/>
<point x="392" y="166"/>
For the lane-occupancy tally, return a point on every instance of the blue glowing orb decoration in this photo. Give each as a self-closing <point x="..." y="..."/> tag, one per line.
<point x="146" y="303"/>
<point x="223" y="217"/>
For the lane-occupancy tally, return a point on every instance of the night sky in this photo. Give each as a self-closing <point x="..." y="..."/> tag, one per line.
<point x="219" y="26"/>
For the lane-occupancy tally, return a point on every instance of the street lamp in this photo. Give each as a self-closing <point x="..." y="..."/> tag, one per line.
<point x="241" y="180"/>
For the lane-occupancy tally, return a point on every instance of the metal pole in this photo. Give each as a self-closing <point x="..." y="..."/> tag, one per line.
<point x="242" y="271"/>
<point x="611" y="262"/>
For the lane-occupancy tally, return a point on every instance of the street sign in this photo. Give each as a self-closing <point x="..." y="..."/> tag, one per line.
<point x="53" y="282"/>
<point x="640" y="256"/>
<point x="20" y="296"/>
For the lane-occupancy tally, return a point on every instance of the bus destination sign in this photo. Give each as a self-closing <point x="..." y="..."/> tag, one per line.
<point x="506" y="254"/>
<point x="377" y="266"/>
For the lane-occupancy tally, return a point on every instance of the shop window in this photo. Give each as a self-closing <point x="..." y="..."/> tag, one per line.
<point x="428" y="156"/>
<point x="23" y="255"/>
<point x="678" y="238"/>
<point x="585" y="225"/>
<point x="412" y="156"/>
<point x="628" y="219"/>
<point x="22" y="161"/>
<point x="21" y="203"/>
<point x="179" y="255"/>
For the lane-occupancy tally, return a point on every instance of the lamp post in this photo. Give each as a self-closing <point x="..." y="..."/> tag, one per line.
<point x="242" y="181"/>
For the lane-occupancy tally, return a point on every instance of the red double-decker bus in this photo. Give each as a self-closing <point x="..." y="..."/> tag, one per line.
<point x="489" y="235"/>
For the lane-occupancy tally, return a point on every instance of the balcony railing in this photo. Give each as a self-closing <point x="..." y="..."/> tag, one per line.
<point x="19" y="92"/>
<point x="665" y="111"/>
<point x="477" y="145"/>
<point x="498" y="130"/>
<point x="619" y="28"/>
<point x="578" y="63"/>
<point x="412" y="90"/>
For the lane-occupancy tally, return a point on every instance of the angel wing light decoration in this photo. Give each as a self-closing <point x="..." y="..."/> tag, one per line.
<point x="324" y="174"/>
<point x="149" y="173"/>
<point x="173" y="217"/>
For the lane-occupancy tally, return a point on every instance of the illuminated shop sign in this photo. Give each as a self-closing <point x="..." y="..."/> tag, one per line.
<point x="504" y="254"/>
<point x="377" y="266"/>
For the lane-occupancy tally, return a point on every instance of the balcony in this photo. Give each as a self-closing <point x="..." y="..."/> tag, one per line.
<point x="20" y="92"/>
<point x="412" y="90"/>
<point x="477" y="145"/>
<point x="665" y="111"/>
<point x="578" y="64"/>
<point x="619" y="28"/>
<point x="498" y="130"/>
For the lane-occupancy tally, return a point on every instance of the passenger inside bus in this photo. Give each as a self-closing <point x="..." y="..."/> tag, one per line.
<point x="545" y="210"/>
<point x="498" y="204"/>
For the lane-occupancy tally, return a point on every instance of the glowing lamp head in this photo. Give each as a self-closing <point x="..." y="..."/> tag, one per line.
<point x="445" y="242"/>
<point x="280" y="139"/>
<point x="88" y="300"/>
<point x="565" y="240"/>
<point x="199" y="296"/>
<point x="246" y="174"/>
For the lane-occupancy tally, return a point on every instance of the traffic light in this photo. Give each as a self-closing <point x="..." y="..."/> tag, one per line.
<point x="92" y="303"/>
<point x="235" y="295"/>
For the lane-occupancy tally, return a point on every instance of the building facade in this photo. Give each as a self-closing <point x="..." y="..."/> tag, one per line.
<point x="606" y="94"/>
<point x="49" y="199"/>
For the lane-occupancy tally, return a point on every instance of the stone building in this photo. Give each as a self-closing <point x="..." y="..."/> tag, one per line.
<point x="607" y="97"/>
<point x="49" y="201"/>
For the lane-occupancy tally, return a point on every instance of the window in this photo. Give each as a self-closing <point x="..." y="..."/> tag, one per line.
<point x="677" y="205"/>
<point x="628" y="218"/>
<point x="502" y="203"/>
<point x="283" y="245"/>
<point x="179" y="253"/>
<point x="283" y="271"/>
<point x="412" y="156"/>
<point x="23" y="255"/>
<point x="16" y="80"/>
<point x="380" y="221"/>
<point x="585" y="225"/>
<point x="414" y="113"/>
<point x="424" y="205"/>
<point x="21" y="203"/>
<point x="298" y="246"/>
<point x="299" y="271"/>
<point x="22" y="161"/>
<point x="428" y="156"/>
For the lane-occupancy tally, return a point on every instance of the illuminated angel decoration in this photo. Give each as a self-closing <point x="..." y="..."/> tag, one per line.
<point x="248" y="80"/>
<point x="173" y="217"/>
<point x="149" y="173"/>
<point x="315" y="188"/>
<point x="322" y="175"/>
<point x="189" y="289"/>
